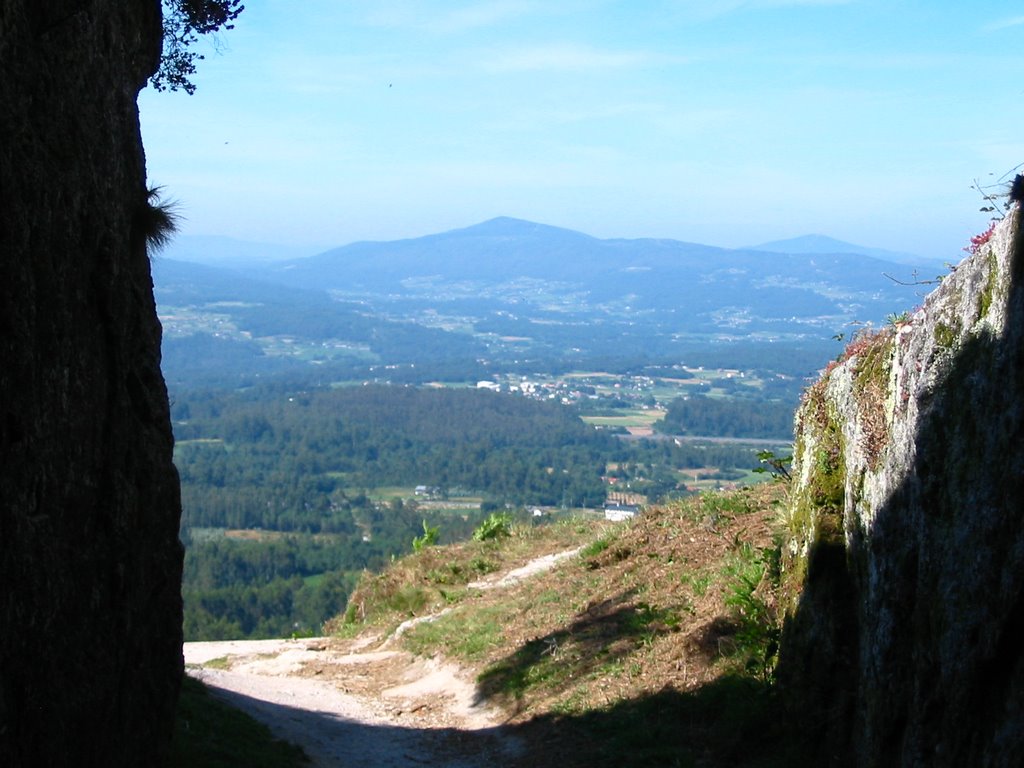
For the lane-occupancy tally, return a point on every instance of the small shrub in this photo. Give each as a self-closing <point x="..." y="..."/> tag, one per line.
<point x="450" y="573"/>
<point x="495" y="525"/>
<point x="895" y="319"/>
<point x="407" y="599"/>
<point x="757" y="638"/>
<point x="157" y="220"/>
<point x="979" y="241"/>
<point x="428" y="539"/>
<point x="482" y="566"/>
<point x="596" y="547"/>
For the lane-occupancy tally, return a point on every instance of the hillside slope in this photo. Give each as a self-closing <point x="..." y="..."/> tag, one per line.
<point x="654" y="644"/>
<point x="904" y="646"/>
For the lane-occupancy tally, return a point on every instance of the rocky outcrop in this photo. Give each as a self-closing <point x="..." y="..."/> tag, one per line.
<point x="904" y="643"/>
<point x="90" y="611"/>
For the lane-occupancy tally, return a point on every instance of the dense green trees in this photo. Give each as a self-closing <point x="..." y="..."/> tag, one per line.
<point x="720" y="417"/>
<point x="295" y="467"/>
<point x="268" y="587"/>
<point x="291" y="462"/>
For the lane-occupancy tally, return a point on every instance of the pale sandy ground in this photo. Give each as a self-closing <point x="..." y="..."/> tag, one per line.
<point x="362" y="703"/>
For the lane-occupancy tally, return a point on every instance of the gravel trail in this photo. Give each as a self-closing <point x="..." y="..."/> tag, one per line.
<point x="360" y="703"/>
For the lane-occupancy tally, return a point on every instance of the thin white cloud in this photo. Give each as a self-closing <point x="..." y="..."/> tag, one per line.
<point x="786" y="3"/>
<point x="481" y="15"/>
<point x="708" y="9"/>
<point x="754" y="4"/>
<point x="566" y="57"/>
<point x="539" y="120"/>
<point x="469" y="17"/>
<point x="995" y="26"/>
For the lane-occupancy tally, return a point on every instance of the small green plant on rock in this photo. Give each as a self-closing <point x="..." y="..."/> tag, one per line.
<point x="895" y="319"/>
<point x="157" y="219"/>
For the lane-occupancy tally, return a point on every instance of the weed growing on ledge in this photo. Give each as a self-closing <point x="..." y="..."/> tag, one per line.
<point x="757" y="637"/>
<point x="428" y="539"/>
<point x="979" y="241"/>
<point x="156" y="220"/>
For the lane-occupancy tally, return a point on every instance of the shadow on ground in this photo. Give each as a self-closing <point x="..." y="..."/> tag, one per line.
<point x="331" y="740"/>
<point x="731" y="722"/>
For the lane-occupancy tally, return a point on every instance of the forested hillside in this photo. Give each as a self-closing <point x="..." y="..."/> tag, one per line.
<point x="699" y="415"/>
<point x="288" y="495"/>
<point x="290" y="463"/>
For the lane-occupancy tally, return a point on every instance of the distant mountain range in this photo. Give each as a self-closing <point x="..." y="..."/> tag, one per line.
<point x="509" y="289"/>
<point x="825" y="244"/>
<point x="219" y="251"/>
<point x="764" y="289"/>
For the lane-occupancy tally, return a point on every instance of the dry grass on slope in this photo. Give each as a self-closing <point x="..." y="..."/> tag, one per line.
<point x="648" y="621"/>
<point x="668" y="601"/>
<point x="426" y="582"/>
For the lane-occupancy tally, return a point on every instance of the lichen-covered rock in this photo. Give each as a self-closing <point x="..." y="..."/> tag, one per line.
<point x="905" y="562"/>
<point x="90" y="563"/>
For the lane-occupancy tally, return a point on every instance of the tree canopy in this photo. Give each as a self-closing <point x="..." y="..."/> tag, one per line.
<point x="184" y="21"/>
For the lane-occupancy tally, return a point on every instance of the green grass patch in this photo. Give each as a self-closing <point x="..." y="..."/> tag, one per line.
<point x="221" y="662"/>
<point x="407" y="600"/>
<point x="756" y="642"/>
<point x="390" y="492"/>
<point x="698" y="582"/>
<point x="422" y="581"/>
<point x="599" y="545"/>
<point x="468" y="636"/>
<point x="313" y="580"/>
<point x="630" y="417"/>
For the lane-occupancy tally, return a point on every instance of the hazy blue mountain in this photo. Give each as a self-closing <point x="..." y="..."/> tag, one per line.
<point x="495" y="250"/>
<point x="642" y="274"/>
<point x="825" y="244"/>
<point x="511" y="293"/>
<point x="216" y="250"/>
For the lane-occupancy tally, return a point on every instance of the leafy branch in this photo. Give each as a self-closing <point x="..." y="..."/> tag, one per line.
<point x="778" y="466"/>
<point x="184" y="21"/>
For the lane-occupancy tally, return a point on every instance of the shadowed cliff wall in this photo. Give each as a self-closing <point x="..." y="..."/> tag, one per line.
<point x="90" y="564"/>
<point x="905" y="646"/>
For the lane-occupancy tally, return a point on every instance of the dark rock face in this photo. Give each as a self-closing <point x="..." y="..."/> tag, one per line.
<point x="90" y="564"/>
<point x="905" y="646"/>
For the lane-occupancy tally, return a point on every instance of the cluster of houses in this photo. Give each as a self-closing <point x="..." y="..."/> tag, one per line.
<point x="617" y="508"/>
<point x="568" y="392"/>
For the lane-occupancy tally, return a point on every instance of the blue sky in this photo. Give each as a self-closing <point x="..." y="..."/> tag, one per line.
<point x="727" y="122"/>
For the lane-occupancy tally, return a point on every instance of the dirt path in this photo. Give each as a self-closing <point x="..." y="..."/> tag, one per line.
<point x="362" y="702"/>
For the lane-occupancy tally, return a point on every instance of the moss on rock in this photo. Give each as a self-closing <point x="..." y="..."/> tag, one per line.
<point x="905" y="563"/>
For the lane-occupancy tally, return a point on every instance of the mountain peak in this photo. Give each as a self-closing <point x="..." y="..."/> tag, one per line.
<point x="507" y="226"/>
<point x="813" y="243"/>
